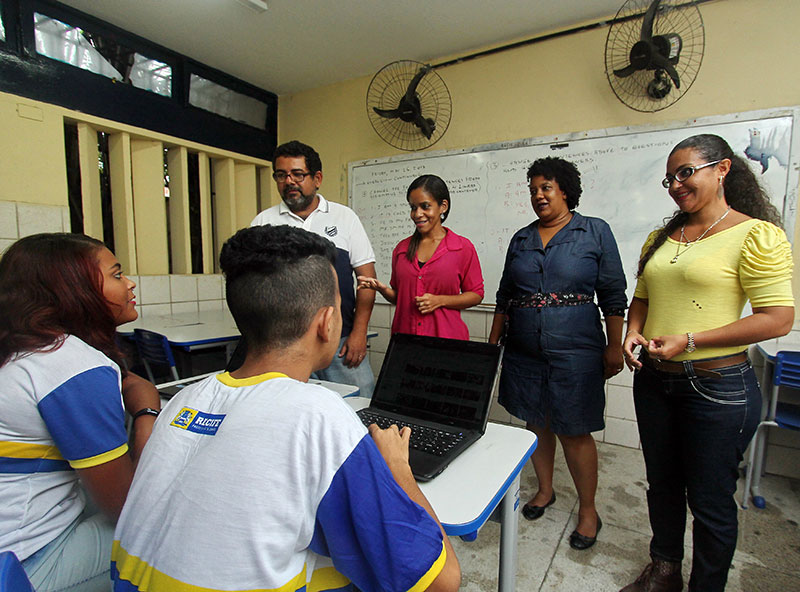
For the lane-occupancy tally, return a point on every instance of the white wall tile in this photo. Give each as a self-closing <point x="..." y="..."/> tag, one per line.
<point x="380" y="343"/>
<point x="8" y="220"/>
<point x="210" y="305"/>
<point x="66" y="222"/>
<point x="151" y="310"/>
<point x="619" y="402"/>
<point x="209" y="287"/>
<point x="476" y="322"/>
<point x="183" y="288"/>
<point x="376" y="361"/>
<point x="783" y="461"/>
<point x="785" y="438"/>
<point x="624" y="378"/>
<point x="381" y="316"/>
<point x="498" y="413"/>
<point x="179" y="307"/>
<point x="34" y="218"/>
<point x="622" y="432"/>
<point x="154" y="289"/>
<point x="5" y="243"/>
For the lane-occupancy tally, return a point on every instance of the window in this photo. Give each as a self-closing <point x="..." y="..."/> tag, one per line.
<point x="2" y="25"/>
<point x="223" y="101"/>
<point x="99" y="54"/>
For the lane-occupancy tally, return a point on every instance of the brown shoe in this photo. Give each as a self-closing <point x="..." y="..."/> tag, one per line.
<point x="658" y="576"/>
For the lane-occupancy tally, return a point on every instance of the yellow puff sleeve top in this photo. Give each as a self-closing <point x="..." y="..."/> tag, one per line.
<point x="711" y="280"/>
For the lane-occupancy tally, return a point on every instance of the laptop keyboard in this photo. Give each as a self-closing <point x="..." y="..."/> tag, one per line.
<point x="423" y="438"/>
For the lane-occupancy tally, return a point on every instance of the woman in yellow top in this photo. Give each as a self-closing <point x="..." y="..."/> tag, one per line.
<point x="696" y="396"/>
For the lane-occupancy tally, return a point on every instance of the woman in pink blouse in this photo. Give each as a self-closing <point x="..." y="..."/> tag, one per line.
<point x="435" y="272"/>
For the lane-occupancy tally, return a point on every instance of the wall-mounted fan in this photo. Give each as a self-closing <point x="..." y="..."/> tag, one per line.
<point x="409" y="105"/>
<point x="654" y="50"/>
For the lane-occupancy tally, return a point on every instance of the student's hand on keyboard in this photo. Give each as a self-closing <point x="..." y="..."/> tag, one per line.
<point x="392" y="443"/>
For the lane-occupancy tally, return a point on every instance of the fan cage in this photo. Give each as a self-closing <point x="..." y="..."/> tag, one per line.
<point x="678" y="17"/>
<point x="388" y="87"/>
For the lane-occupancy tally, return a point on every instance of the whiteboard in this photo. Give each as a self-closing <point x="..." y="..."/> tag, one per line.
<point x="621" y="172"/>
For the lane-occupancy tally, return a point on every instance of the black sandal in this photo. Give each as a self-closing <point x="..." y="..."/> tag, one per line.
<point x="536" y="512"/>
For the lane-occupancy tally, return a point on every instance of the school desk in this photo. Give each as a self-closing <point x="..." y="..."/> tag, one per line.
<point x="480" y="483"/>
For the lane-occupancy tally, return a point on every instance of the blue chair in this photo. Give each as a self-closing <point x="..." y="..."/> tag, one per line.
<point x="12" y="576"/>
<point x="154" y="349"/>
<point x="779" y="415"/>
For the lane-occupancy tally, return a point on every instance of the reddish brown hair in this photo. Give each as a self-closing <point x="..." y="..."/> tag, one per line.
<point x="51" y="287"/>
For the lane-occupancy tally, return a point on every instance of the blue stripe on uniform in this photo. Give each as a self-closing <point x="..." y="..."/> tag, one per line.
<point x="32" y="465"/>
<point x="84" y="415"/>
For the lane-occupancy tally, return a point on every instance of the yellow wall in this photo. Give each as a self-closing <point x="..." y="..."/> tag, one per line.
<point x="32" y="166"/>
<point x="751" y="57"/>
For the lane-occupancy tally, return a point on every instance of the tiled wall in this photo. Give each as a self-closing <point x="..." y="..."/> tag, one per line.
<point x="19" y="219"/>
<point x="620" y="417"/>
<point x="163" y="294"/>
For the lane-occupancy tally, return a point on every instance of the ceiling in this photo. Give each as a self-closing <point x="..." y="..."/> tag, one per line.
<point x="298" y="45"/>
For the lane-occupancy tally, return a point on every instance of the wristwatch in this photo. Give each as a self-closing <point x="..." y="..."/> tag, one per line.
<point x="146" y="411"/>
<point x="690" y="347"/>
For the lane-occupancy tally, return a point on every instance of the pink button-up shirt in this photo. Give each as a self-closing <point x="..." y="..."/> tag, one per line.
<point x="453" y="269"/>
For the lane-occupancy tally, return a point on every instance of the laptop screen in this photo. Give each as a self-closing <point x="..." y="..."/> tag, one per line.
<point x="448" y="381"/>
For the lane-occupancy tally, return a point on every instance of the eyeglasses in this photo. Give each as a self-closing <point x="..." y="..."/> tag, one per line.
<point x="297" y="176"/>
<point x="684" y="173"/>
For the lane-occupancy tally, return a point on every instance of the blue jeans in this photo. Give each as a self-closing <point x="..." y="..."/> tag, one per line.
<point x="694" y="431"/>
<point x="361" y="375"/>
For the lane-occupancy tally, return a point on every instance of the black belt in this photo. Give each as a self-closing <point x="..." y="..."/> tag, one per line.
<point x="701" y="367"/>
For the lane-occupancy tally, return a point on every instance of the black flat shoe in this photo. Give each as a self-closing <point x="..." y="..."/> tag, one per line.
<point x="581" y="542"/>
<point x="535" y="512"/>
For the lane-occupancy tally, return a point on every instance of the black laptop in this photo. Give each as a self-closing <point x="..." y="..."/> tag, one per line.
<point x="442" y="389"/>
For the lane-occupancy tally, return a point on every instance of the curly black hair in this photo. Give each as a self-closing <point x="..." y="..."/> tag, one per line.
<point x="743" y="192"/>
<point x="276" y="279"/>
<point x="295" y="149"/>
<point x="565" y="173"/>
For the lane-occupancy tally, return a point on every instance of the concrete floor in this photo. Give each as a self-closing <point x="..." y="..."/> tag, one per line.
<point x="767" y="557"/>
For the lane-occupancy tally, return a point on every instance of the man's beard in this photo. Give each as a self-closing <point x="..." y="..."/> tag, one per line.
<point x="299" y="202"/>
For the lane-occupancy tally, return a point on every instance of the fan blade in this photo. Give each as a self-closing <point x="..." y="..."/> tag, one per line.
<point x="425" y="125"/>
<point x="412" y="86"/>
<point x="626" y="71"/>
<point x="660" y="61"/>
<point x="387" y="113"/>
<point x="649" y="18"/>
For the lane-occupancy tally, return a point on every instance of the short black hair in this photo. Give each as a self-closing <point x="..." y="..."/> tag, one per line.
<point x="276" y="279"/>
<point x="565" y="173"/>
<point x="297" y="149"/>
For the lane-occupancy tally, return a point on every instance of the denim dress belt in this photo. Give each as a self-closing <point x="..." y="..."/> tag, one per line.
<point x="701" y="367"/>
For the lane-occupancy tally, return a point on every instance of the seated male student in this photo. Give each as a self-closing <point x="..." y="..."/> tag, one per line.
<point x="256" y="480"/>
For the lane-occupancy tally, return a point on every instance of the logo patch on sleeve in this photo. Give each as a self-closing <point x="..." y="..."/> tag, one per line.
<point x="197" y="421"/>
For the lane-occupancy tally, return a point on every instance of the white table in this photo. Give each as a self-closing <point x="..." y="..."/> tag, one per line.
<point x="193" y="330"/>
<point x="189" y="330"/>
<point x="484" y="478"/>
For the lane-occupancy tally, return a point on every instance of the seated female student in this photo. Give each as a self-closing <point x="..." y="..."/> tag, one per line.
<point x="62" y="420"/>
<point x="435" y="272"/>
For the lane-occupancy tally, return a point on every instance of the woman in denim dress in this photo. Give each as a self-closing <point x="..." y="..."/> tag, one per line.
<point x="696" y="396"/>
<point x="557" y="355"/>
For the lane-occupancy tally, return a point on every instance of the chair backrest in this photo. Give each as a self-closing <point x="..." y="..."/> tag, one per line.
<point x="154" y="348"/>
<point x="12" y="575"/>
<point x="787" y="369"/>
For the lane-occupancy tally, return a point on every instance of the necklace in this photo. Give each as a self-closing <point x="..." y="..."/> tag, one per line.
<point x="690" y="243"/>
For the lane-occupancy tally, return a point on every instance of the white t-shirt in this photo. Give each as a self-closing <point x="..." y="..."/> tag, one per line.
<point x="59" y="410"/>
<point x="268" y="483"/>
<point x="342" y="227"/>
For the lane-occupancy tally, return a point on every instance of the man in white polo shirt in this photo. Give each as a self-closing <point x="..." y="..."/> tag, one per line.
<point x="297" y="170"/>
